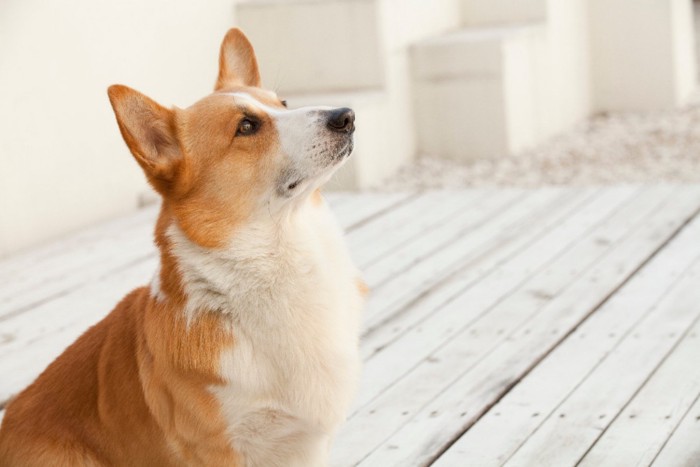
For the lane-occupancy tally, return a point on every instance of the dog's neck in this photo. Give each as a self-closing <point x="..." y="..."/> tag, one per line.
<point x="216" y="279"/>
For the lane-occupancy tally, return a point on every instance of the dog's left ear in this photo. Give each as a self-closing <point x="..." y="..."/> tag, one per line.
<point x="149" y="131"/>
<point x="237" y="63"/>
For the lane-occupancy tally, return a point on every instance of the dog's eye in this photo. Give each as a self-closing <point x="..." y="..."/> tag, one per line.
<point x="247" y="127"/>
<point x="284" y="103"/>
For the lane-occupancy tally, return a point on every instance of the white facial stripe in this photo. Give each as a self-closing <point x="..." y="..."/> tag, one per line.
<point x="272" y="111"/>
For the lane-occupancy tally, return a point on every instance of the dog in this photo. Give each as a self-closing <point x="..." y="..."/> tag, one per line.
<point x="243" y="351"/>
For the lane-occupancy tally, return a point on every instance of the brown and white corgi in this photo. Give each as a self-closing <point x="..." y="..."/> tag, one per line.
<point x="244" y="349"/>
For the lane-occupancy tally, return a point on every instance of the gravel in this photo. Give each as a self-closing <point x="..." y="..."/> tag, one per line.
<point x="612" y="148"/>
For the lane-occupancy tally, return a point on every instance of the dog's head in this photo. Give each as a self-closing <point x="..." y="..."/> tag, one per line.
<point x="236" y="152"/>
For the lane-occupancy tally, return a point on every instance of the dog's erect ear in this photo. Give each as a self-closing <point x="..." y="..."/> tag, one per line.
<point x="148" y="129"/>
<point x="237" y="62"/>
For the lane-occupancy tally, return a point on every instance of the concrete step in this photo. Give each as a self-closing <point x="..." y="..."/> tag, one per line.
<point x="476" y="91"/>
<point x="312" y="46"/>
<point x="353" y="53"/>
<point x="337" y="45"/>
<point x="495" y="12"/>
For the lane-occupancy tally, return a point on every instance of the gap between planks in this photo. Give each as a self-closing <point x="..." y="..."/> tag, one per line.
<point x="663" y="225"/>
<point x="537" y="397"/>
<point x="388" y="368"/>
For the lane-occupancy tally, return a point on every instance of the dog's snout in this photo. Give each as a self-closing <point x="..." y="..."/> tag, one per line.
<point x="341" y="120"/>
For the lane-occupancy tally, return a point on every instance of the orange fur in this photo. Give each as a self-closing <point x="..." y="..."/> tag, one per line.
<point x="317" y="198"/>
<point x="240" y="68"/>
<point x="136" y="388"/>
<point x="114" y="397"/>
<point x="362" y="287"/>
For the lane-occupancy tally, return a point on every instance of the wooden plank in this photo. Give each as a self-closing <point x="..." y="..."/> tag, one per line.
<point x="26" y="261"/>
<point x="27" y="272"/>
<point x="636" y="436"/>
<point x="365" y="206"/>
<point x="381" y="236"/>
<point x="459" y="225"/>
<point x="419" y="416"/>
<point x="443" y="413"/>
<point x="483" y="292"/>
<point x="31" y="340"/>
<point x="386" y="413"/>
<point x="496" y="273"/>
<point x="598" y="399"/>
<point x="683" y="448"/>
<point x="591" y="407"/>
<point x="337" y="198"/>
<point x="496" y="436"/>
<point x="76" y="308"/>
<point x="594" y="404"/>
<point x="87" y="265"/>
<point x="391" y="297"/>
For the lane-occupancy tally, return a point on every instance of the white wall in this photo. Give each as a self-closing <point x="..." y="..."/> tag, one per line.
<point x="643" y="54"/>
<point x="63" y="164"/>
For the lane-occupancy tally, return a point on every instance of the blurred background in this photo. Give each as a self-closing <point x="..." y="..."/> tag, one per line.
<point x="447" y="92"/>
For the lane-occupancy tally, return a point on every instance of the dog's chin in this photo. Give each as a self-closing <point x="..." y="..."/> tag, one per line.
<point x="326" y="174"/>
<point x="335" y="161"/>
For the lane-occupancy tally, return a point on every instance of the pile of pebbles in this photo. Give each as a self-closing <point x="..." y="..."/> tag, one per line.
<point x="633" y="147"/>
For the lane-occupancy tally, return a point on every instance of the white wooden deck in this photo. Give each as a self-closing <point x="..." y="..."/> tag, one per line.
<point x="552" y="327"/>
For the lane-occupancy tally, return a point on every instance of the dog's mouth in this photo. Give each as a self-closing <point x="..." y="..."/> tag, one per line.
<point x="294" y="182"/>
<point x="348" y="149"/>
<point x="291" y="186"/>
<point x="344" y="152"/>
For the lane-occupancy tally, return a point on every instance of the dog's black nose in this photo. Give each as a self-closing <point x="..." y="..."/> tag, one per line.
<point x="342" y="120"/>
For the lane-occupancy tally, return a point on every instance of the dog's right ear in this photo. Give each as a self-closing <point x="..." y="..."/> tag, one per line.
<point x="237" y="63"/>
<point x="149" y="132"/>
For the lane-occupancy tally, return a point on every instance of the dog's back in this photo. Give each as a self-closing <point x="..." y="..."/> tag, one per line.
<point x="87" y="407"/>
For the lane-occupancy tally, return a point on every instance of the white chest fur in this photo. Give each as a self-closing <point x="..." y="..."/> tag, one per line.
<point x="290" y="291"/>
